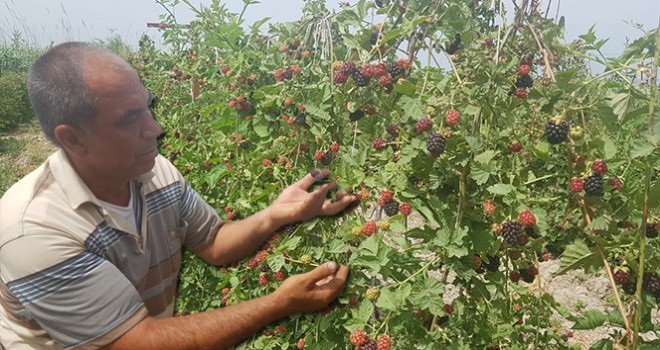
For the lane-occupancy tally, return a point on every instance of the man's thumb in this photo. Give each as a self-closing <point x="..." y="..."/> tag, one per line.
<point x="327" y="269"/>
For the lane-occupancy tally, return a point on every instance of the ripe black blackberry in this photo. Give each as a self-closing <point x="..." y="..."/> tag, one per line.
<point x="288" y="74"/>
<point x="394" y="69"/>
<point x="631" y="287"/>
<point x="651" y="230"/>
<point x="453" y="46"/>
<point x="524" y="81"/>
<point x="556" y="132"/>
<point x="436" y="143"/>
<point x="289" y="229"/>
<point x="264" y="268"/>
<point x="379" y="3"/>
<point x="374" y="37"/>
<point x="528" y="275"/>
<point x="391" y="140"/>
<point x="651" y="282"/>
<point x="301" y="119"/>
<point x="511" y="231"/>
<point x="355" y="116"/>
<point x="493" y="263"/>
<point x="326" y="159"/>
<point x="391" y="207"/>
<point x="360" y="79"/>
<point x="593" y="185"/>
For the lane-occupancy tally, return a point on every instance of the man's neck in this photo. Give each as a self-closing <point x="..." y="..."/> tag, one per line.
<point x="110" y="190"/>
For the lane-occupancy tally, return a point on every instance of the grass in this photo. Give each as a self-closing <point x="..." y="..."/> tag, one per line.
<point x="21" y="151"/>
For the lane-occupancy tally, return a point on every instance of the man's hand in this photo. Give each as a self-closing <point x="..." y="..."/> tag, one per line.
<point x="313" y="290"/>
<point x="295" y="203"/>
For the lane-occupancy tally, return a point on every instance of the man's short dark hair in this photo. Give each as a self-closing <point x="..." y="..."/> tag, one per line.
<point x="57" y="88"/>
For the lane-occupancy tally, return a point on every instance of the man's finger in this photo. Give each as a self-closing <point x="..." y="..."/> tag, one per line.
<point x="330" y="208"/>
<point x="321" y="272"/>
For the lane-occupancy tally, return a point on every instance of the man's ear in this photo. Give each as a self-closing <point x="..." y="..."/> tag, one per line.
<point x="71" y="139"/>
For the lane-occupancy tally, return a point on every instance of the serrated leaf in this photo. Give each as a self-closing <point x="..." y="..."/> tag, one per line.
<point x="261" y="130"/>
<point x="590" y="320"/>
<point x="412" y="107"/>
<point x="485" y="157"/>
<point x="600" y="223"/>
<point x="336" y="246"/>
<point x="642" y="148"/>
<point x="393" y="299"/>
<point x="501" y="189"/>
<point x="578" y="255"/>
<point x="609" y="150"/>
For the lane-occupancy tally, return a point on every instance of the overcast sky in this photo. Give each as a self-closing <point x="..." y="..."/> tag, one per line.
<point x="45" y="21"/>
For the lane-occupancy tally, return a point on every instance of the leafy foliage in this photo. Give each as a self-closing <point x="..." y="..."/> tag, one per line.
<point x="247" y="113"/>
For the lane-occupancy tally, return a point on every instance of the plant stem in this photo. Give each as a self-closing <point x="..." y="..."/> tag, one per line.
<point x="606" y="266"/>
<point x="652" y="80"/>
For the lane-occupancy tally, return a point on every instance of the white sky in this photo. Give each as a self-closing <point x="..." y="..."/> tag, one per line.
<point x="45" y="21"/>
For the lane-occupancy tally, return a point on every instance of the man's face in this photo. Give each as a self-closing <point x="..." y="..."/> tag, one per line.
<point x="122" y="141"/>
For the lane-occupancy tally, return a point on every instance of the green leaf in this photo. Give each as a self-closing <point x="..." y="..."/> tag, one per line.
<point x="501" y="189"/>
<point x="485" y="157"/>
<point x="336" y="246"/>
<point x="412" y="107"/>
<point x="578" y="255"/>
<point x="642" y="148"/>
<point x="453" y="241"/>
<point x="590" y="320"/>
<point x="393" y="299"/>
<point x="610" y="147"/>
<point x="600" y="223"/>
<point x="261" y="130"/>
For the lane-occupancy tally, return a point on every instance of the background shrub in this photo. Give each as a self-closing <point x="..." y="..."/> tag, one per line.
<point x="15" y="105"/>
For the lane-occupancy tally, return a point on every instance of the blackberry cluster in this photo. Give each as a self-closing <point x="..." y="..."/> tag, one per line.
<point x="436" y="143"/>
<point x="379" y="3"/>
<point x="394" y="69"/>
<point x="451" y="49"/>
<point x="651" y="282"/>
<point x="593" y="185"/>
<point x="512" y="231"/>
<point x="524" y="81"/>
<point x="651" y="230"/>
<point x="360" y="79"/>
<point x="326" y="159"/>
<point x="374" y="37"/>
<point x="631" y="287"/>
<point x="289" y="229"/>
<point x="493" y="263"/>
<point x="288" y="74"/>
<point x="355" y="116"/>
<point x="301" y="119"/>
<point x="340" y="77"/>
<point x="528" y="274"/>
<point x="391" y="207"/>
<point x="556" y="133"/>
<point x="264" y="268"/>
<point x="391" y="140"/>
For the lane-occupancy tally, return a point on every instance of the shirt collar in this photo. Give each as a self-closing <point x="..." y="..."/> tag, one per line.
<point x="74" y="187"/>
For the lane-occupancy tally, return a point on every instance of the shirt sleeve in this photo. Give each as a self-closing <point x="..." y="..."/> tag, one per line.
<point x="80" y="299"/>
<point x="203" y="221"/>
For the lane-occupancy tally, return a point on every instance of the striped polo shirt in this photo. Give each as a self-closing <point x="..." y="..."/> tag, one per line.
<point x="72" y="276"/>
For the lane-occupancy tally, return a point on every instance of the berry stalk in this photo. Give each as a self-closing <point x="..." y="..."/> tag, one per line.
<point x="608" y="271"/>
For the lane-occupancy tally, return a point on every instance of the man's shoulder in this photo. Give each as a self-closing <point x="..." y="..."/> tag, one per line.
<point x="24" y="197"/>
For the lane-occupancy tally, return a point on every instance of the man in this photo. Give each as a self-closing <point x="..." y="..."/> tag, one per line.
<point x="90" y="242"/>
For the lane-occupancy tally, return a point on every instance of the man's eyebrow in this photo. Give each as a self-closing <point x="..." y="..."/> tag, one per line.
<point x="129" y="114"/>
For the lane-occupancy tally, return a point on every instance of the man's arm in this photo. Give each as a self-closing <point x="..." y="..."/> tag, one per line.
<point x="225" y="327"/>
<point x="236" y="240"/>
